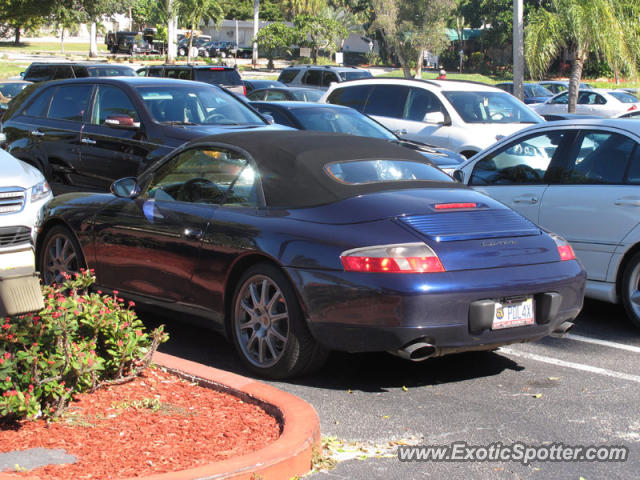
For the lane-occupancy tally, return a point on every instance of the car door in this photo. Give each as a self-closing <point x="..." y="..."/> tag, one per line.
<point x="557" y="104"/>
<point x="386" y="103"/>
<point x="423" y="119"/>
<point x="113" y="141"/>
<point x="150" y="245"/>
<point x="594" y="207"/>
<point x="519" y="173"/>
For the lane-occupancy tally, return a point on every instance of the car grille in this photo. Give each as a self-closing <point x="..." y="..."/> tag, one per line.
<point x="10" y="236"/>
<point x="11" y="200"/>
<point x="447" y="227"/>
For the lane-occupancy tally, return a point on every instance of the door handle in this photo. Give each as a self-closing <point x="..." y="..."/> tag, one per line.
<point x="530" y="200"/>
<point x="88" y="141"/>
<point x="37" y="133"/>
<point x="193" y="233"/>
<point x="401" y="131"/>
<point x="628" y="202"/>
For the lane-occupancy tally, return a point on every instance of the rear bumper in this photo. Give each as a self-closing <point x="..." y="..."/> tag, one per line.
<point x="360" y="312"/>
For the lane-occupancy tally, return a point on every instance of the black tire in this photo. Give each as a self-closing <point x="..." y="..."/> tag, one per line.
<point x="630" y="289"/>
<point x="59" y="252"/>
<point x="270" y="346"/>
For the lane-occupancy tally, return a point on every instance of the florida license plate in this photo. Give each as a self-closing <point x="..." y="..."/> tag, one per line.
<point x="513" y="314"/>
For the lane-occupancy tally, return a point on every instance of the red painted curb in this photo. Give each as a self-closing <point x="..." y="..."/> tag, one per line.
<point x="289" y="456"/>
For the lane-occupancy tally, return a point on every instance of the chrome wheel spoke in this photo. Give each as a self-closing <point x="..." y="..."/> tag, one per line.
<point x="254" y="295"/>
<point x="267" y="340"/>
<point x="279" y="316"/>
<point x="263" y="293"/>
<point x="273" y="300"/>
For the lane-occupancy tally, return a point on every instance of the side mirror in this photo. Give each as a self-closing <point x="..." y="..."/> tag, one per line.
<point x="124" y="121"/>
<point x="458" y="175"/>
<point x="125" y="188"/>
<point x="434" y="117"/>
<point x="269" y="118"/>
<point x="22" y="74"/>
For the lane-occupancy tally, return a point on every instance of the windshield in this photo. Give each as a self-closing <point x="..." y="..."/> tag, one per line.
<point x="378" y="171"/>
<point x="536" y="91"/>
<point x="196" y="105"/>
<point x="490" y="107"/>
<point x="355" y="75"/>
<point x="340" y="121"/>
<point x="10" y="90"/>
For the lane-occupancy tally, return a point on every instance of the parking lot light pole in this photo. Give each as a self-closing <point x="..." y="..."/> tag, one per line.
<point x="518" y="50"/>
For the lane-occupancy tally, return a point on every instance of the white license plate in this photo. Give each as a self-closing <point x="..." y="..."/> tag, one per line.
<point x="513" y="314"/>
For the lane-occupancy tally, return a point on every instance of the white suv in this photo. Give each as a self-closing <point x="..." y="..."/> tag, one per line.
<point x="23" y="193"/>
<point x="465" y="117"/>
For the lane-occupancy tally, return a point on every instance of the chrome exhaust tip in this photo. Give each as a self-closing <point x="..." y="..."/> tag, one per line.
<point x="561" y="330"/>
<point x="416" y="352"/>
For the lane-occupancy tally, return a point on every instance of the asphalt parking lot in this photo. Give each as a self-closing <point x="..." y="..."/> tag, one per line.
<point x="578" y="391"/>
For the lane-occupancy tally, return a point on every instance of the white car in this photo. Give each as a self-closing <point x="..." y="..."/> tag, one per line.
<point x="597" y="101"/>
<point x="465" y="117"/>
<point x="23" y="194"/>
<point x="580" y="179"/>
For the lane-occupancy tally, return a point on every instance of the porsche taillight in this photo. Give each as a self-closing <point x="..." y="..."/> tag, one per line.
<point x="564" y="249"/>
<point x="399" y="258"/>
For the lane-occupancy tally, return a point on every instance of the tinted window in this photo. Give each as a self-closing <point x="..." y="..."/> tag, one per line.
<point x="378" y="171"/>
<point x="420" y="103"/>
<point x="387" y="101"/>
<point x="533" y="90"/>
<point x="335" y="119"/>
<point x="354" y="97"/>
<point x="590" y="98"/>
<point x="40" y="105"/>
<point x="307" y="95"/>
<point x="40" y="73"/>
<point x="624" y="97"/>
<point x="490" y="107"/>
<point x="217" y="76"/>
<point x="355" y="75"/>
<point x="521" y="162"/>
<point x="70" y="102"/>
<point x="80" y="71"/>
<point x="275" y="95"/>
<point x="63" y="71"/>
<point x="10" y="90"/>
<point x="111" y="71"/>
<point x="329" y="77"/>
<point x="206" y="175"/>
<point x="277" y="115"/>
<point x="601" y="158"/>
<point x="154" y="72"/>
<point x="561" y="99"/>
<point x="111" y="102"/>
<point x="507" y="87"/>
<point x="181" y="73"/>
<point x="257" y="95"/>
<point x="312" y="77"/>
<point x="633" y="175"/>
<point x="287" y="76"/>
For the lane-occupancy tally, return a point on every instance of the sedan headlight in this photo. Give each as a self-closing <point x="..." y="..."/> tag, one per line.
<point x="40" y="191"/>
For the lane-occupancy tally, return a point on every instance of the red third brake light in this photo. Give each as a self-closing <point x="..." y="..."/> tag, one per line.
<point x="454" y="206"/>
<point x="401" y="258"/>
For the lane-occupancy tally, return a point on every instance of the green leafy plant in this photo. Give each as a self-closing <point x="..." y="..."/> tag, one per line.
<point x="80" y="341"/>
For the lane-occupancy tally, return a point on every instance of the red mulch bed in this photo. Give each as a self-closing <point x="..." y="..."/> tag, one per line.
<point x="114" y="434"/>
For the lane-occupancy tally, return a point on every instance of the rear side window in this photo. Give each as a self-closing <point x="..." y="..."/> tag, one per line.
<point x="70" y="102"/>
<point x="354" y="97"/>
<point x="355" y="75"/>
<point x="287" y="76"/>
<point x="81" y="72"/>
<point x="40" y="105"/>
<point x="180" y="73"/>
<point x="63" y="71"/>
<point x="154" y="72"/>
<point x="312" y="77"/>
<point x="387" y="101"/>
<point x="329" y="77"/>
<point x="40" y="73"/>
<point x="601" y="158"/>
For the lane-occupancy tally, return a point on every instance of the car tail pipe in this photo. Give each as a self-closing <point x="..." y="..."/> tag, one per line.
<point x="416" y="351"/>
<point x="562" y="329"/>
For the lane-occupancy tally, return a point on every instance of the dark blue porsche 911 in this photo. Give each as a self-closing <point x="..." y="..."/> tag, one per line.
<point x="297" y="243"/>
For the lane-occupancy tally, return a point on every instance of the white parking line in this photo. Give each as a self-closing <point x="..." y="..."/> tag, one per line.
<point x="604" y="343"/>
<point x="575" y="366"/>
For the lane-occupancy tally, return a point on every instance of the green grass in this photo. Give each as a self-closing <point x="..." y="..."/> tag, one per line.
<point x="9" y="69"/>
<point x="35" y="47"/>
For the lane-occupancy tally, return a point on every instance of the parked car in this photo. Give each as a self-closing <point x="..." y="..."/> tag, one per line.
<point x="465" y="117"/>
<point x="581" y="179"/>
<point x="85" y="133"/>
<point x="183" y="44"/>
<point x="336" y="118"/>
<point x="533" y="92"/>
<point x="559" y="86"/>
<point x="295" y="94"/>
<point x="320" y="76"/>
<point x="8" y="90"/>
<point x="227" y="77"/>
<point x="23" y="194"/>
<point x="42" y="72"/>
<point x="597" y="101"/>
<point x="297" y="243"/>
<point x="251" y="85"/>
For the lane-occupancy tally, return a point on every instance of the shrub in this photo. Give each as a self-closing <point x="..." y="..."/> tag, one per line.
<point x="79" y="342"/>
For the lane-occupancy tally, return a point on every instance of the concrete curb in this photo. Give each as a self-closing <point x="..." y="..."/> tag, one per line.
<point x="289" y="456"/>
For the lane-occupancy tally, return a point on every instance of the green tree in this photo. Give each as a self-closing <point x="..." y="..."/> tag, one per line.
<point x="275" y="36"/>
<point x="294" y="8"/>
<point x="270" y="10"/>
<point x="65" y="18"/>
<point x="148" y="12"/>
<point x="581" y="27"/>
<point x="319" y="32"/>
<point x="409" y="27"/>
<point x="192" y="12"/>
<point x="17" y="16"/>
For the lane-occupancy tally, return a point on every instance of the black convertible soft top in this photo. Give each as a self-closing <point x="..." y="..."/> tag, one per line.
<point x="291" y="164"/>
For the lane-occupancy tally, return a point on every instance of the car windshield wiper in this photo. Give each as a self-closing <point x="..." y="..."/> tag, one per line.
<point x="178" y="122"/>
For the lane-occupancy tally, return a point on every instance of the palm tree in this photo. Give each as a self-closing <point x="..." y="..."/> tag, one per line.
<point x="192" y="12"/>
<point x="580" y="27"/>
